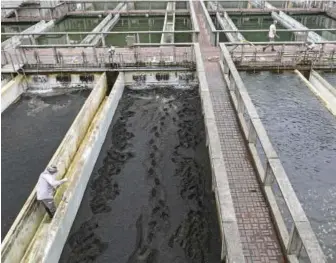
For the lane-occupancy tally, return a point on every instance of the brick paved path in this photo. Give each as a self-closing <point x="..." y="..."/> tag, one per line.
<point x="258" y="236"/>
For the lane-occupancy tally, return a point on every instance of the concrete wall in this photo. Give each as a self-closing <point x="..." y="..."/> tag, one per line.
<point x="322" y="90"/>
<point x="27" y="226"/>
<point x="232" y="249"/>
<point x="106" y="25"/>
<point x="49" y="249"/>
<point x="169" y="24"/>
<point x="226" y="23"/>
<point x="147" y="79"/>
<point x="291" y="23"/>
<point x="13" y="42"/>
<point x="51" y="84"/>
<point x="12" y="91"/>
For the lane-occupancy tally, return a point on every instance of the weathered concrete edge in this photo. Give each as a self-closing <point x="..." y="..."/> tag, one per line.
<point x="194" y="21"/>
<point x="311" y="244"/>
<point x="226" y="20"/>
<point x="320" y="91"/>
<point x="324" y="82"/>
<point x="79" y="174"/>
<point x="231" y="243"/>
<point x="29" y="218"/>
<point x="12" y="91"/>
<point x="210" y="26"/>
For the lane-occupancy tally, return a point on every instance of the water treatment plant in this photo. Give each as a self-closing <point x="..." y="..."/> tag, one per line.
<point x="182" y="138"/>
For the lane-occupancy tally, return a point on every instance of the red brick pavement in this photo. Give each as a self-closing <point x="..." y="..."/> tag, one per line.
<point x="258" y="236"/>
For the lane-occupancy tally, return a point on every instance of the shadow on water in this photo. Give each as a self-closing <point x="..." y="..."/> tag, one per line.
<point x="149" y="197"/>
<point x="303" y="133"/>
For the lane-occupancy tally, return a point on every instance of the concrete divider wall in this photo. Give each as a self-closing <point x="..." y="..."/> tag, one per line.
<point x="226" y="23"/>
<point x="12" y="91"/>
<point x="272" y="173"/>
<point x="28" y="220"/>
<point x="232" y="249"/>
<point x="290" y="22"/>
<point x="14" y="41"/>
<point x="322" y="90"/>
<point x="50" y="244"/>
<point x="109" y="22"/>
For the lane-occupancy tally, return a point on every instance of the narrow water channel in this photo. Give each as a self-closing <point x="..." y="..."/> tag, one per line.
<point x="31" y="131"/>
<point x="303" y="133"/>
<point x="70" y="24"/>
<point x="149" y="197"/>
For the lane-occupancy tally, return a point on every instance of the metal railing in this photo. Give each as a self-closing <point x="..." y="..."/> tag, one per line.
<point x="270" y="171"/>
<point x="100" y="58"/>
<point x="66" y="36"/>
<point x="278" y="4"/>
<point x="287" y="54"/>
<point x="232" y="248"/>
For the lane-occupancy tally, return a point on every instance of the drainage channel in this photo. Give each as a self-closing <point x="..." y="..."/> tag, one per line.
<point x="303" y="133"/>
<point x="149" y="197"/>
<point x="32" y="129"/>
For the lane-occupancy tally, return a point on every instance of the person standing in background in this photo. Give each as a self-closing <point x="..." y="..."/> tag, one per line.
<point x="271" y="35"/>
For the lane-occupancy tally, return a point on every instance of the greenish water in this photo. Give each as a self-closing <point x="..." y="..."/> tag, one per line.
<point x="70" y="24"/>
<point x="222" y="36"/>
<point x="153" y="5"/>
<point x="259" y="22"/>
<point x="318" y="21"/>
<point x="13" y="28"/>
<point x="183" y="23"/>
<point x="139" y="23"/>
<point x="237" y="4"/>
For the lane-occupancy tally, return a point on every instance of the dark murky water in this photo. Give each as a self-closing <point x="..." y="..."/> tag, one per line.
<point x="149" y="198"/>
<point x="303" y="134"/>
<point x="31" y="131"/>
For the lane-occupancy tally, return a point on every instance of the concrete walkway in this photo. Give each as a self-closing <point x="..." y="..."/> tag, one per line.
<point x="258" y="236"/>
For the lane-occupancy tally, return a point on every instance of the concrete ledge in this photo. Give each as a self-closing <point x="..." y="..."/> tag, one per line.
<point x="321" y="90"/>
<point x="49" y="245"/>
<point x="232" y="249"/>
<point x="274" y="172"/>
<point x="109" y="22"/>
<point x="12" y="91"/>
<point x="227" y="24"/>
<point x="14" y="41"/>
<point x="314" y="76"/>
<point x="28" y="220"/>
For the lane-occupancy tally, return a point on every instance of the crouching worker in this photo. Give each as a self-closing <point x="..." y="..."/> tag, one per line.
<point x="45" y="188"/>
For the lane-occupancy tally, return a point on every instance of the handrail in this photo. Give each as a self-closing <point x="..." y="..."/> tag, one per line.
<point x="301" y="233"/>
<point x="232" y="249"/>
<point x="193" y="17"/>
<point x="102" y="32"/>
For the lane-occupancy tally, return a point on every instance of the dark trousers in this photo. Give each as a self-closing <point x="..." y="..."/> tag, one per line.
<point x="49" y="206"/>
